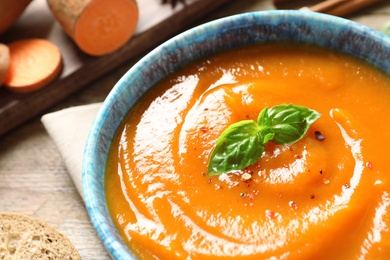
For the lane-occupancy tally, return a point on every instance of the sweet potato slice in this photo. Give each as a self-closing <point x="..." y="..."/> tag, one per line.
<point x="34" y="63"/>
<point x="98" y="27"/>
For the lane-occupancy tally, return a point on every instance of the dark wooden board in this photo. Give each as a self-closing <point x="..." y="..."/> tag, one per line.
<point x="157" y="23"/>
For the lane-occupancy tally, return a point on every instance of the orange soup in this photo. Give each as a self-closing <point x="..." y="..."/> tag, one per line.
<point x="325" y="197"/>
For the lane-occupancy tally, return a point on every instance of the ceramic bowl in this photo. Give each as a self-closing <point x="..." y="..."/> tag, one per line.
<point x="238" y="30"/>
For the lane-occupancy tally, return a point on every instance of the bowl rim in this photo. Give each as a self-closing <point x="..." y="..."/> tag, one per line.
<point x="92" y="182"/>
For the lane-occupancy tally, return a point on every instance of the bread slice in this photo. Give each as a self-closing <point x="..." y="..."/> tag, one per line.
<point x="23" y="237"/>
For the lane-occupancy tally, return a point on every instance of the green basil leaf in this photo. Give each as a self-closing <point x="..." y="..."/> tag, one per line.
<point x="243" y="143"/>
<point x="238" y="146"/>
<point x="290" y="123"/>
<point x="266" y="135"/>
<point x="263" y="119"/>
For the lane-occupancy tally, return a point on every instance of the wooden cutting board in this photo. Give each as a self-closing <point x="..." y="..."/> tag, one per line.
<point x="157" y="23"/>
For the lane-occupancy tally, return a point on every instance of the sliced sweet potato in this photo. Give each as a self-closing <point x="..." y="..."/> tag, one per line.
<point x="98" y="27"/>
<point x="34" y="63"/>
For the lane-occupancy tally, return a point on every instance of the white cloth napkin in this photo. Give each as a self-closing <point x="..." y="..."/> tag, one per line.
<point x="69" y="129"/>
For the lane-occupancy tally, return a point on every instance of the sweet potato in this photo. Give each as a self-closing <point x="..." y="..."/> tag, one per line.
<point x="98" y="27"/>
<point x="34" y="63"/>
<point x="10" y="11"/>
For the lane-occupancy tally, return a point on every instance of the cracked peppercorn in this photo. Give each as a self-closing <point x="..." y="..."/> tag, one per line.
<point x="319" y="136"/>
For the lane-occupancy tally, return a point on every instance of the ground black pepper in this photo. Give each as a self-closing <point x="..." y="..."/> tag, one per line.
<point x="319" y="136"/>
<point x="293" y="204"/>
<point x="369" y="165"/>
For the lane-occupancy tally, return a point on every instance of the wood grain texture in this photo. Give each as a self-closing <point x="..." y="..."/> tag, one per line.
<point x="33" y="177"/>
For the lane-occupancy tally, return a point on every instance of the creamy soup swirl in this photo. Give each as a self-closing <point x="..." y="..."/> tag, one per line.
<point x="326" y="196"/>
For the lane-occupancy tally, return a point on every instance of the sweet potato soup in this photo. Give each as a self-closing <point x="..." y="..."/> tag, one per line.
<point x="325" y="196"/>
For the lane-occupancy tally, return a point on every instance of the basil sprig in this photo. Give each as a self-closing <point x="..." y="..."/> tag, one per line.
<point x="243" y="142"/>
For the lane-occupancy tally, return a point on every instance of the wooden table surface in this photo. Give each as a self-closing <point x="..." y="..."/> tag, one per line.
<point x="33" y="177"/>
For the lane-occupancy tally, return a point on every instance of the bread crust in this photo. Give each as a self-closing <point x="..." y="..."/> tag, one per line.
<point x="24" y="237"/>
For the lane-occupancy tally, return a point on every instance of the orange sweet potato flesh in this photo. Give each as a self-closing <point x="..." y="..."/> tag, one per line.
<point x="98" y="27"/>
<point x="4" y="61"/>
<point x="34" y="63"/>
<point x="10" y="11"/>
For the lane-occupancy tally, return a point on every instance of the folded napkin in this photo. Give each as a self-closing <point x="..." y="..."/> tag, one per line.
<point x="69" y="130"/>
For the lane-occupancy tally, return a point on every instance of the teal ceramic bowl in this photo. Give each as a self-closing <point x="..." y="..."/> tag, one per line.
<point x="238" y="30"/>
